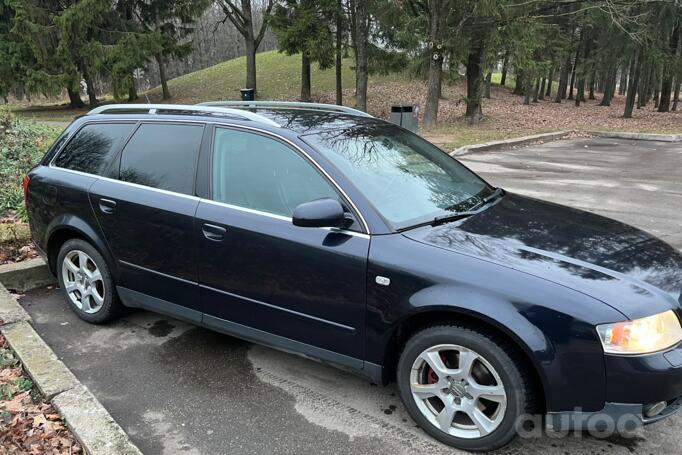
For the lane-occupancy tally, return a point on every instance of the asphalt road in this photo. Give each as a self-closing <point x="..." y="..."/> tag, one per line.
<point x="179" y="389"/>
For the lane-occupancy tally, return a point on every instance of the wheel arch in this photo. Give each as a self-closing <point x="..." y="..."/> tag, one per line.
<point x="68" y="227"/>
<point x="426" y="317"/>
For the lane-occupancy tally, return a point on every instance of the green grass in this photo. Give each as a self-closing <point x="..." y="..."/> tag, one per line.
<point x="278" y="78"/>
<point x="451" y="137"/>
<point x="497" y="79"/>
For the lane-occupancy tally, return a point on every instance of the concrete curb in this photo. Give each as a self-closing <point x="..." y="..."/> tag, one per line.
<point x="546" y="137"/>
<point x="638" y="136"/>
<point x="509" y="143"/>
<point x="90" y="422"/>
<point x="26" y="275"/>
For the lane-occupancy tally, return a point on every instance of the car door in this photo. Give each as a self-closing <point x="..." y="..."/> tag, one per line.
<point x="147" y="216"/>
<point x="261" y="277"/>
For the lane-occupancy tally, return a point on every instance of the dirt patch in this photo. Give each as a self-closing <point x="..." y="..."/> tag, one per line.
<point x="15" y="241"/>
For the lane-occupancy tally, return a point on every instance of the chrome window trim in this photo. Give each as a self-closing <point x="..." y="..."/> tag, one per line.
<point x="362" y="220"/>
<point x="123" y="182"/>
<point x="208" y="201"/>
<point x="274" y="216"/>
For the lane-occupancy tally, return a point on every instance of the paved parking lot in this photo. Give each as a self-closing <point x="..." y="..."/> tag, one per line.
<point x="180" y="389"/>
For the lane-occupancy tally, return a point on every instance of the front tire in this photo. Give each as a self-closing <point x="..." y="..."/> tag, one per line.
<point x="465" y="387"/>
<point x="86" y="282"/>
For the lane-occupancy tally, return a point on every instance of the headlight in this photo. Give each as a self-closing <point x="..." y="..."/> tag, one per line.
<point x="641" y="336"/>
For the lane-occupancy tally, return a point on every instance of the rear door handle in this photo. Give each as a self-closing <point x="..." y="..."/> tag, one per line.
<point x="213" y="232"/>
<point x="107" y="205"/>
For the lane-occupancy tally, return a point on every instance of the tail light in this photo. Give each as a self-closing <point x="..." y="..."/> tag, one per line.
<point x="26" y="181"/>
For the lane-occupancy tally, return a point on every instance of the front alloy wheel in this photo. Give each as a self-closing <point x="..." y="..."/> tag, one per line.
<point x="458" y="391"/>
<point x="465" y="386"/>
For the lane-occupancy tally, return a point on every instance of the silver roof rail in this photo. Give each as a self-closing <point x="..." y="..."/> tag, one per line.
<point x="288" y="105"/>
<point x="154" y="108"/>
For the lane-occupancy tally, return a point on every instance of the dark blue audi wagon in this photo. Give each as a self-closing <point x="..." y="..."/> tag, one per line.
<point x="322" y="230"/>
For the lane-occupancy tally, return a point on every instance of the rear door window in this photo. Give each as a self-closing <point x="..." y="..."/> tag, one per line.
<point x="93" y="147"/>
<point x="162" y="156"/>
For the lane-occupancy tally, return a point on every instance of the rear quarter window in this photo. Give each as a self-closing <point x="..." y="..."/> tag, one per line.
<point x="93" y="147"/>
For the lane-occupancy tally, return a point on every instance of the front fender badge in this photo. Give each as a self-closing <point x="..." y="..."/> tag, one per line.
<point x="382" y="280"/>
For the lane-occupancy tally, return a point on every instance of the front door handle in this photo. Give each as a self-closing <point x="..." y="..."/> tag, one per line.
<point x="107" y="205"/>
<point x="213" y="232"/>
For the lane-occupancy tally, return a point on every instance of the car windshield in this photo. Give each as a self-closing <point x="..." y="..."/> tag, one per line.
<point x="407" y="179"/>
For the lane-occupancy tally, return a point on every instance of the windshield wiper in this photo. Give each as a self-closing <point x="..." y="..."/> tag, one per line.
<point x="454" y="216"/>
<point x="491" y="197"/>
<point x="451" y="217"/>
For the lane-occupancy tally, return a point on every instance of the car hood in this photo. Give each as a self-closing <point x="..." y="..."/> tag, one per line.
<point x="622" y="266"/>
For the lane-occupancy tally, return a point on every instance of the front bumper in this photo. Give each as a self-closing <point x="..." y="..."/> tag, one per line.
<point x="632" y="384"/>
<point x="615" y="417"/>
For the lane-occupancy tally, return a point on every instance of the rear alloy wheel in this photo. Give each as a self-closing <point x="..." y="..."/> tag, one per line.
<point x="86" y="282"/>
<point x="464" y="387"/>
<point x="83" y="282"/>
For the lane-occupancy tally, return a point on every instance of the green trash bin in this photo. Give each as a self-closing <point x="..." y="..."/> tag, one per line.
<point x="248" y="94"/>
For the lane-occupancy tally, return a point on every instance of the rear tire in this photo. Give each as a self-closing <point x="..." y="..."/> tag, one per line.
<point x="86" y="282"/>
<point x="465" y="387"/>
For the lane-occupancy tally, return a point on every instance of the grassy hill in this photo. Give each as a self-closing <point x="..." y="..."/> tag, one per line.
<point x="278" y="78"/>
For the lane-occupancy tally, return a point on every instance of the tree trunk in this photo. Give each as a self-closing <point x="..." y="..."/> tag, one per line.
<point x="250" y="45"/>
<point x="519" y="88"/>
<point x="487" y="84"/>
<point x="132" y="91"/>
<point x="572" y="85"/>
<point x="541" y="95"/>
<point x="645" y="89"/>
<point x="90" y="88"/>
<point x="505" y="64"/>
<point x="162" y="75"/>
<point x="526" y="97"/>
<point x="623" y="83"/>
<point x="550" y="79"/>
<point x="655" y="88"/>
<point x="593" y="81"/>
<point x="676" y="96"/>
<point x="635" y="68"/>
<point x="305" y="77"/>
<point x="474" y="76"/>
<point x="609" y="81"/>
<point x="353" y="28"/>
<point x="75" y="100"/>
<point x="563" y="78"/>
<point x="339" y="56"/>
<point x="580" y="95"/>
<point x="433" y="88"/>
<point x="536" y="90"/>
<point x="362" y="31"/>
<point x="668" y="71"/>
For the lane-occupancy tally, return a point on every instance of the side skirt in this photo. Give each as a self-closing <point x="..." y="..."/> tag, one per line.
<point x="136" y="299"/>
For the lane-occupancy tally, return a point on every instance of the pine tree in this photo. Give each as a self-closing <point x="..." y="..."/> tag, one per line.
<point x="306" y="27"/>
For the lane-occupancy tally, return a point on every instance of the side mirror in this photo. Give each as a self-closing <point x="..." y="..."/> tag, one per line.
<point x="320" y="213"/>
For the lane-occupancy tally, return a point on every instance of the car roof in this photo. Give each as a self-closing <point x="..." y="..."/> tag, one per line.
<point x="294" y="117"/>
